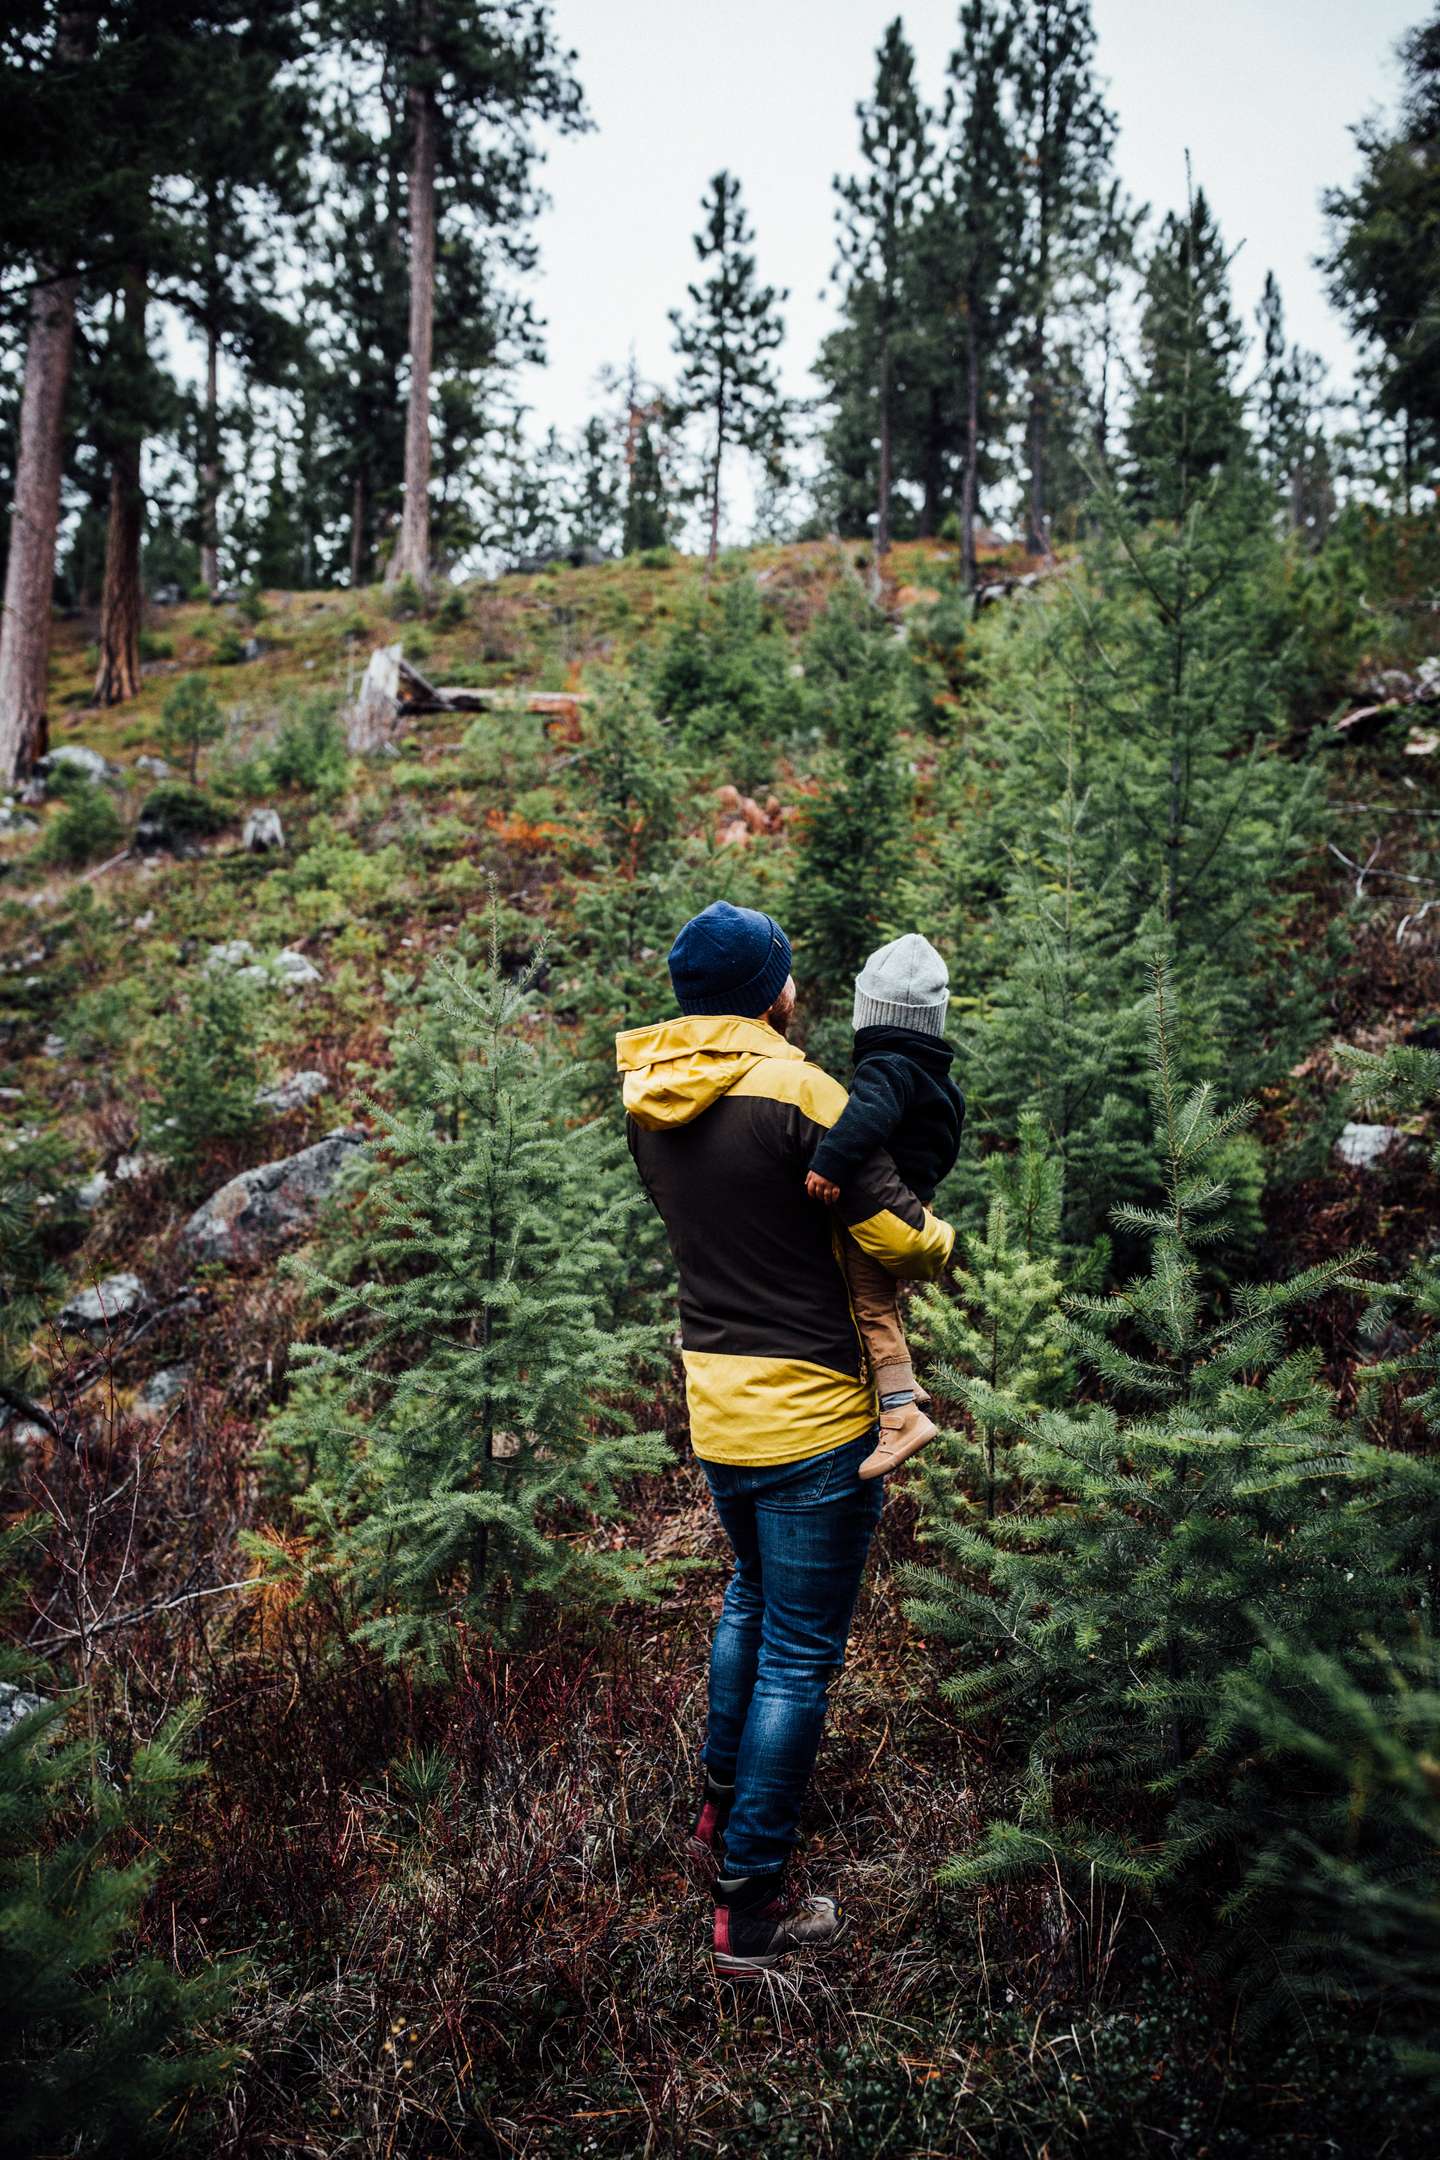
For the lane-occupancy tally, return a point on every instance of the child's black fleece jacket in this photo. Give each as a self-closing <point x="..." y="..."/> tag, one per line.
<point x="902" y="1099"/>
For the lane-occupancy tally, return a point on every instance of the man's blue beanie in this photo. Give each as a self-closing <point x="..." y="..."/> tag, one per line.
<point x="729" y="960"/>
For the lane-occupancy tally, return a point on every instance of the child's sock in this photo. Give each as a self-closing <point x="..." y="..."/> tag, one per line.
<point x="893" y="1397"/>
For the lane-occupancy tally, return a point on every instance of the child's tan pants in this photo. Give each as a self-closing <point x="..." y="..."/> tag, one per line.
<point x="875" y="1300"/>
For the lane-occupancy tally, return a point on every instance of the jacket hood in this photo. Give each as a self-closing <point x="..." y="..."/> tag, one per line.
<point x="931" y="1052"/>
<point x="678" y="1068"/>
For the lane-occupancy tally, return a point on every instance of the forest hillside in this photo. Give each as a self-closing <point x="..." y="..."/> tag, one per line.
<point x="366" y="737"/>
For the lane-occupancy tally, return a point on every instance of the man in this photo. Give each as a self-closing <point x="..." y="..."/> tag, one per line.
<point x="724" y="1117"/>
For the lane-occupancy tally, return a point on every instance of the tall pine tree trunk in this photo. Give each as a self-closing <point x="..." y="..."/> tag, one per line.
<point x="720" y="415"/>
<point x="970" y="484"/>
<point x="30" y="569"/>
<point x="882" y="500"/>
<point x="118" y="675"/>
<point x="39" y="460"/>
<point x="412" y="552"/>
<point x="1037" y="537"/>
<point x="210" y="469"/>
<point x="359" y="553"/>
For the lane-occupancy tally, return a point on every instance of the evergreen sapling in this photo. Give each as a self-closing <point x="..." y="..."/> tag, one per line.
<point x="462" y="1423"/>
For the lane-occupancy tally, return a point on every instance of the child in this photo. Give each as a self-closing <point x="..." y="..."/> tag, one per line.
<point x="902" y="1099"/>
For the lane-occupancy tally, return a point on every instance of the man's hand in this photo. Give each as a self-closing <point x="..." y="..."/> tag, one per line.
<point x="821" y="1188"/>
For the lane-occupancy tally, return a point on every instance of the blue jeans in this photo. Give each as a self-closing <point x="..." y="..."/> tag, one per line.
<point x="800" y="1532"/>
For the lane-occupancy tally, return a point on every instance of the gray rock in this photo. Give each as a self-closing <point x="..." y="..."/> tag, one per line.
<point x="91" y="1194"/>
<point x="161" y="1389"/>
<point x="285" y="970"/>
<point x="1361" y="1146"/>
<point x="15" y="1704"/>
<point x="293" y="1092"/>
<point x="158" y="768"/>
<point x="15" y="821"/>
<point x="234" y="953"/>
<point x="79" y="758"/>
<point x="53" y="1045"/>
<point x="262" y="832"/>
<point x="99" y="1307"/>
<point x="259" y="1209"/>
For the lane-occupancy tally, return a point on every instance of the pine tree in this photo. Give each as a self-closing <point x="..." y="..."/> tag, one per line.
<point x="724" y="677"/>
<point x="853" y="840"/>
<point x="877" y="211"/>
<point x="1068" y="132"/>
<point x="1059" y="1026"/>
<point x="1289" y="433"/>
<point x="1163" y="1527"/>
<point x="1339" y="1905"/>
<point x="1382" y="259"/>
<point x="997" y="1331"/>
<point x="462" y="1419"/>
<point x="1404" y="1081"/>
<point x="975" y="232"/>
<point x="1187" y="416"/>
<point x="726" y="342"/>
<point x="99" y="2046"/>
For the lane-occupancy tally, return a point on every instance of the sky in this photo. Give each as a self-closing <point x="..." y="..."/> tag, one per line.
<point x="1262" y="93"/>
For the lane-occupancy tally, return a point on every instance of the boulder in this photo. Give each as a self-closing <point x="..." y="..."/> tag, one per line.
<point x="79" y="758"/>
<point x="92" y="1193"/>
<point x="15" y="1704"/>
<point x="157" y="768"/>
<point x="13" y="820"/>
<point x="161" y="1389"/>
<point x="1361" y="1146"/>
<point x="94" y="1310"/>
<point x="286" y="969"/>
<point x="262" y="832"/>
<point x="292" y="1092"/>
<point x="258" y="1210"/>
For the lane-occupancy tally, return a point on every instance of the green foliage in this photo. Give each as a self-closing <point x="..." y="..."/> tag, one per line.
<point x="32" y="1187"/>
<point x="88" y="829"/>
<point x="853" y="840"/>
<point x="724" y="676"/>
<point x="1187" y="419"/>
<point x="462" y="1420"/>
<point x="209" y="1069"/>
<point x="99" y="2044"/>
<point x="183" y="812"/>
<point x="1341" y="1904"/>
<point x="726" y="343"/>
<point x="998" y="1333"/>
<point x="190" y="720"/>
<point x="1154" y="1531"/>
<point x="309" y="752"/>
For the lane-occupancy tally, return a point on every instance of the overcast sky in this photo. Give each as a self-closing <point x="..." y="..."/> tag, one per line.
<point x="1261" y="92"/>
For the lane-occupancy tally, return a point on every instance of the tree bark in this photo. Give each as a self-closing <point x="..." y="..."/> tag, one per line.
<point x="970" y="482"/>
<point x="1037" y="538"/>
<point x="359" y="554"/>
<point x="210" y="469"/>
<point x="882" y="502"/>
<point x="118" y="675"/>
<point x="412" y="550"/>
<point x="30" y="569"/>
<point x="39" y="459"/>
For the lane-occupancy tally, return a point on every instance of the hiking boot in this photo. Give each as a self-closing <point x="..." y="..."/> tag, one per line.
<point x="756" y="1925"/>
<point x="706" y="1842"/>
<point x="903" y="1432"/>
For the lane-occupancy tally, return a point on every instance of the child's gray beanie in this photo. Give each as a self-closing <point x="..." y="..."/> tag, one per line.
<point x="905" y="984"/>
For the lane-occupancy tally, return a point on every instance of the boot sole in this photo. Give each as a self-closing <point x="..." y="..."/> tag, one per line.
<point x="730" y="1967"/>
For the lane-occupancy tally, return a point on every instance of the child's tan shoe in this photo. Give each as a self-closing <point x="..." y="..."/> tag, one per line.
<point x="903" y="1432"/>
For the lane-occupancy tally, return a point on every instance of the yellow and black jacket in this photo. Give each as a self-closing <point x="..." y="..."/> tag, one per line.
<point x="724" y="1116"/>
